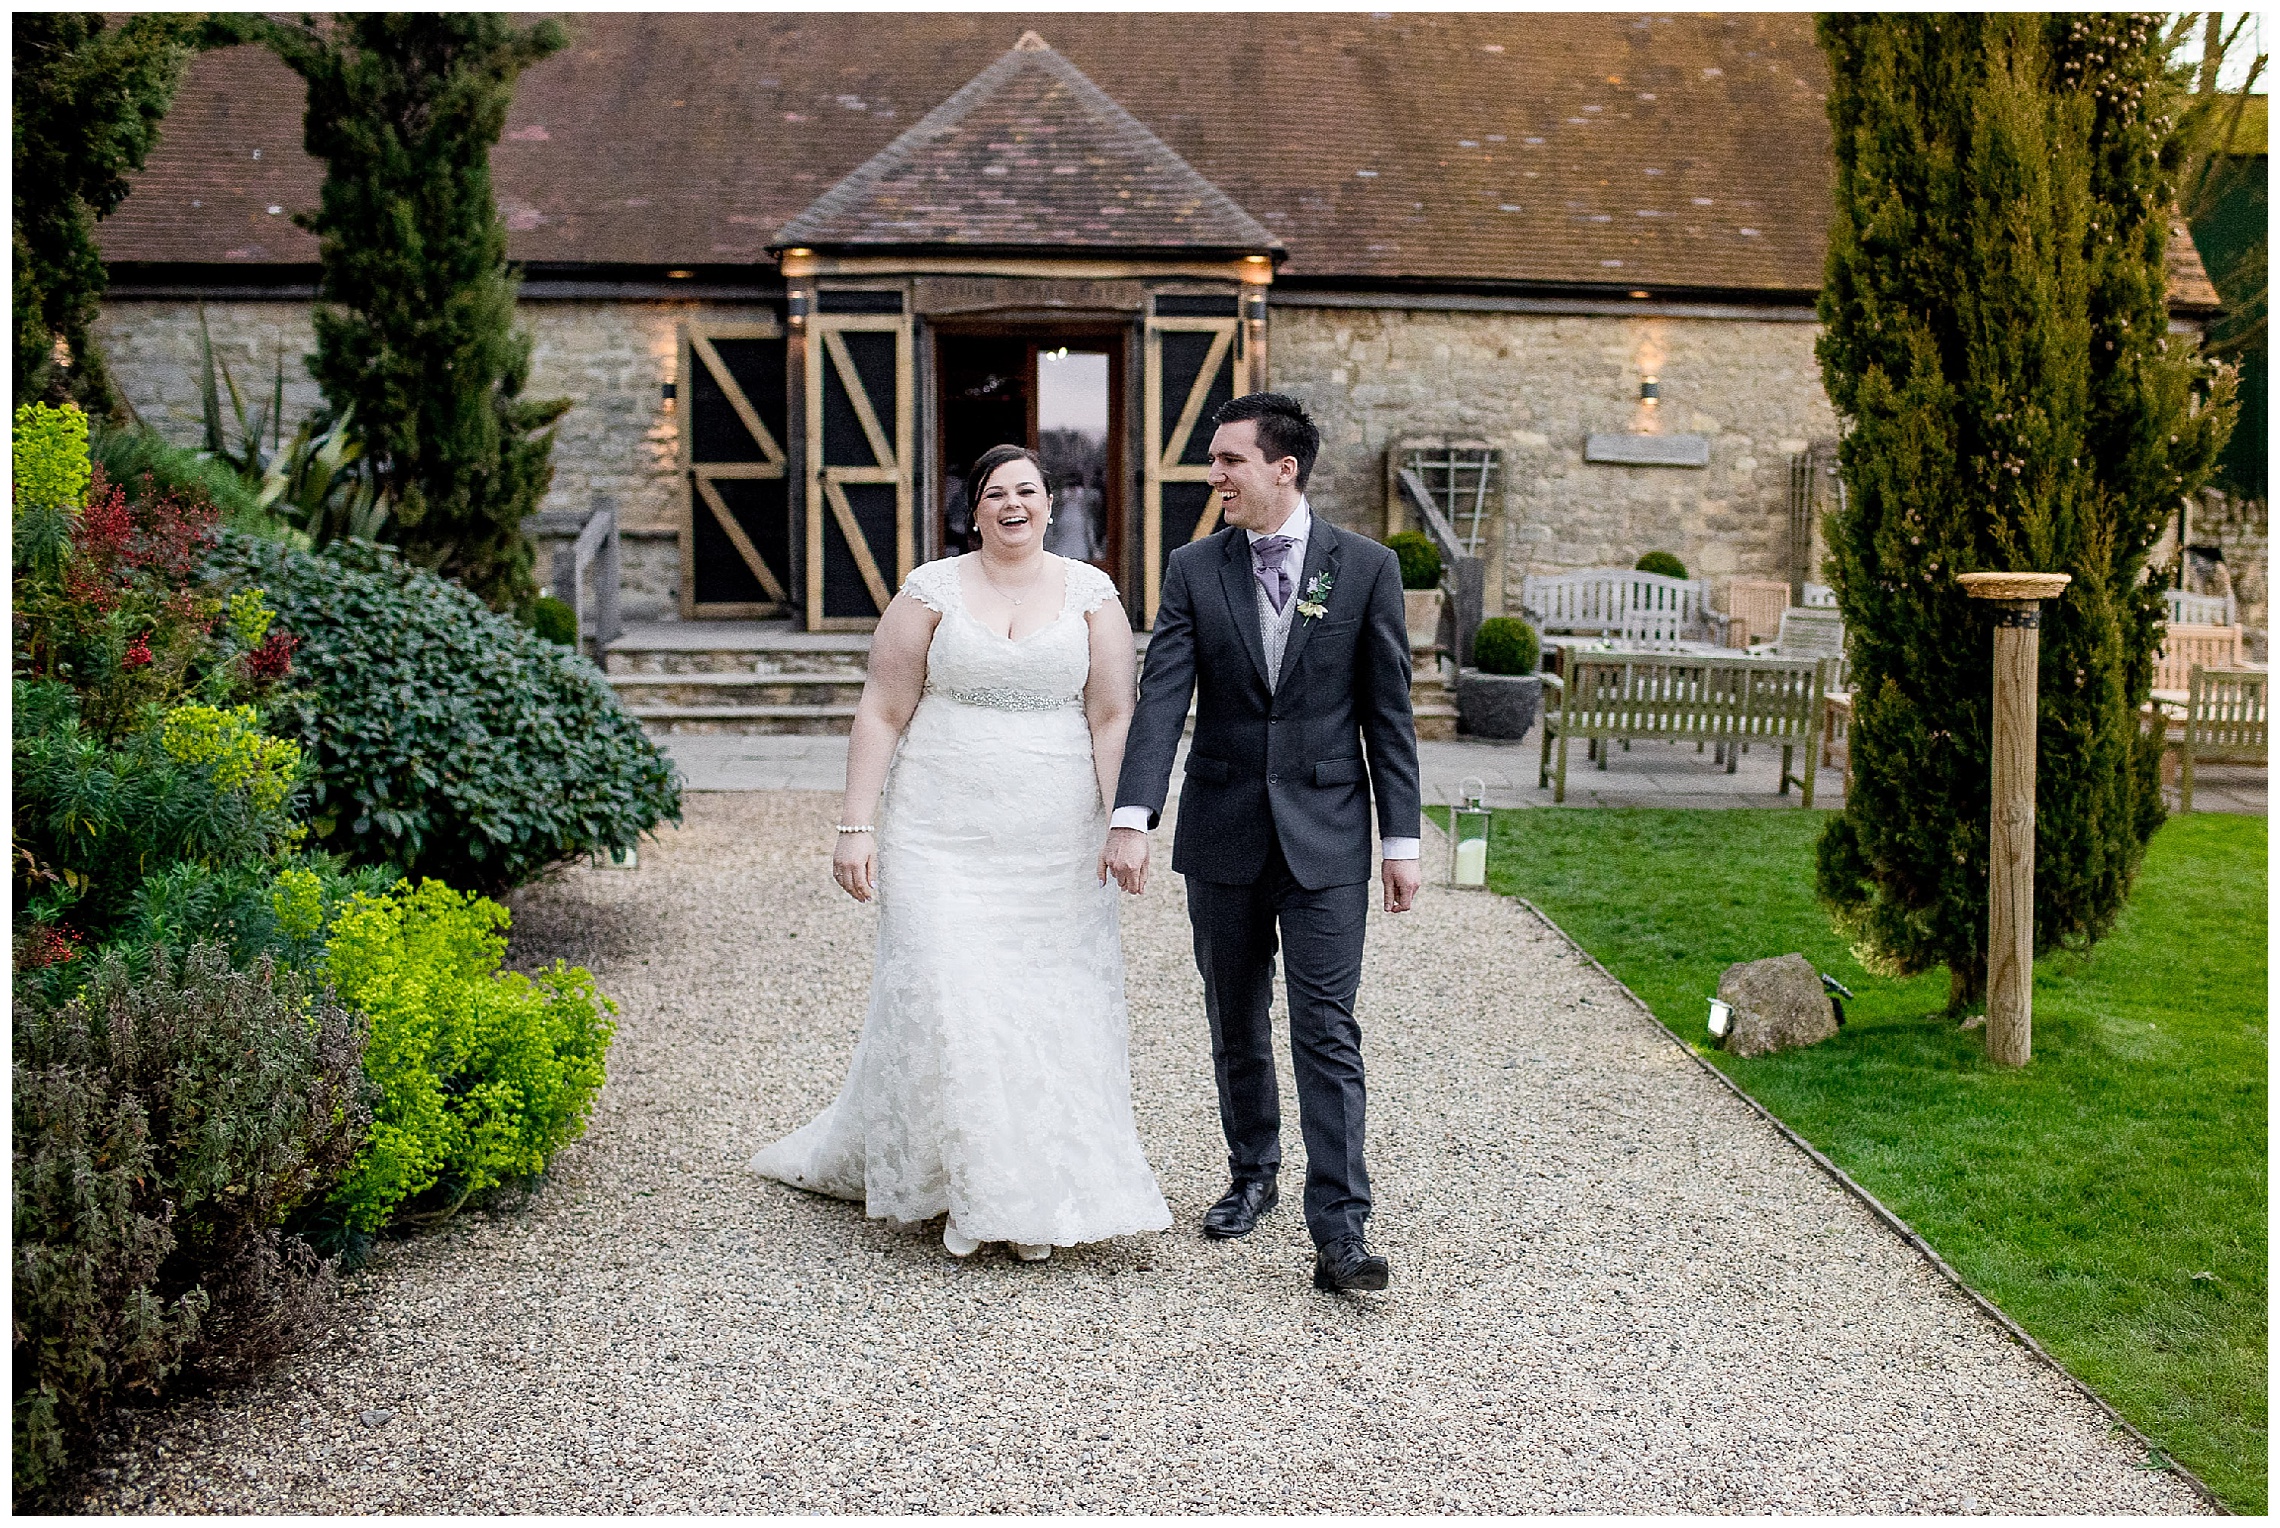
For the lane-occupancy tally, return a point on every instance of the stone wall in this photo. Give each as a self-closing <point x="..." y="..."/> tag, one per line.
<point x="1536" y="386"/>
<point x="619" y="444"/>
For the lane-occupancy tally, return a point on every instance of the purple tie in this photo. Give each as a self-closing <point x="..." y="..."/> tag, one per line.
<point x="1268" y="556"/>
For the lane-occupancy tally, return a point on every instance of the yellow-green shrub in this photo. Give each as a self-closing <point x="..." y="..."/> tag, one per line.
<point x="50" y="456"/>
<point x="483" y="1074"/>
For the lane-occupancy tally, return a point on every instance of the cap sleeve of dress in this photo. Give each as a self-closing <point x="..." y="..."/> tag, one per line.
<point x="934" y="584"/>
<point x="1089" y="588"/>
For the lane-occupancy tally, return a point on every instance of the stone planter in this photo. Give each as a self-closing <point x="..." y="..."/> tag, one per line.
<point x="1422" y="608"/>
<point x="1498" y="705"/>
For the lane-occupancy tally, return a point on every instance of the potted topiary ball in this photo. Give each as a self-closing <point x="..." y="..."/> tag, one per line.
<point x="1500" y="698"/>
<point x="1421" y="594"/>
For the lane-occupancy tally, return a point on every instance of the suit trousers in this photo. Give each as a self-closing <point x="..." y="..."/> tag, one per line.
<point x="1235" y="928"/>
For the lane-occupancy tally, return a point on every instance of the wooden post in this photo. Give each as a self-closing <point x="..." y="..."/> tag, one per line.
<point x="2017" y="598"/>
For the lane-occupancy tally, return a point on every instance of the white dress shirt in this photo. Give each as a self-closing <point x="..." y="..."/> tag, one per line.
<point x="1301" y="521"/>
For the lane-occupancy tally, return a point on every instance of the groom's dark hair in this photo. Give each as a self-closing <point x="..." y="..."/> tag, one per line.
<point x="1284" y="430"/>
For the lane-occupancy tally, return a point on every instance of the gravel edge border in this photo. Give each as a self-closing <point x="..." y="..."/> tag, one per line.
<point x="1890" y="1221"/>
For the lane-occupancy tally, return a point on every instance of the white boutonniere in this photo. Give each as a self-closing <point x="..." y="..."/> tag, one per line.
<point x="1313" y="604"/>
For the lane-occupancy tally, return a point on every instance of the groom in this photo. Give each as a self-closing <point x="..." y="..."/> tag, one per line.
<point x="1290" y="634"/>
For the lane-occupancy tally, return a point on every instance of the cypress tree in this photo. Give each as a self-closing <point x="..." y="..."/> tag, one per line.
<point x="88" y="98"/>
<point x="1995" y="335"/>
<point x="415" y="328"/>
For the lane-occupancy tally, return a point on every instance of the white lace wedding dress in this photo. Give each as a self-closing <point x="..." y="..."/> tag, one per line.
<point x="992" y="1079"/>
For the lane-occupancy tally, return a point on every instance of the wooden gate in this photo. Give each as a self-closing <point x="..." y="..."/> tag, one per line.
<point x="861" y="501"/>
<point x="1195" y="361"/>
<point x="736" y="529"/>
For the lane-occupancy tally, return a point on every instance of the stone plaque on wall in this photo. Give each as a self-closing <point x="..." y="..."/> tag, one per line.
<point x="1648" y="450"/>
<point x="941" y="296"/>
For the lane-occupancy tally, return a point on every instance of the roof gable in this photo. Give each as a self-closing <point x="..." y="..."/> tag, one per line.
<point x="1029" y="152"/>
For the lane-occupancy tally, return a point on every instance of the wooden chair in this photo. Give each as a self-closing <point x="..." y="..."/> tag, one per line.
<point x="1814" y="632"/>
<point x="1680" y="697"/>
<point x="2225" y="722"/>
<point x="1755" y="606"/>
<point x="2185" y="647"/>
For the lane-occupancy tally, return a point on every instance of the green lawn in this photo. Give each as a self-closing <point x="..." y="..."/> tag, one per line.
<point x="2110" y="1196"/>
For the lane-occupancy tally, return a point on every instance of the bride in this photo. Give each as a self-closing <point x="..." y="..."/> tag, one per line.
<point x="992" y="1080"/>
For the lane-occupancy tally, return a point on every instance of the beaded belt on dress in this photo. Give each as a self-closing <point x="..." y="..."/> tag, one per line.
<point x="1004" y="698"/>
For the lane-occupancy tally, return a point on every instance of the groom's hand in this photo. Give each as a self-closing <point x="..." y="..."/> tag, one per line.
<point x="1402" y="878"/>
<point x="1126" y="858"/>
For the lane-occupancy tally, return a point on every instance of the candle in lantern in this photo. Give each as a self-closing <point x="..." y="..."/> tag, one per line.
<point x="1472" y="862"/>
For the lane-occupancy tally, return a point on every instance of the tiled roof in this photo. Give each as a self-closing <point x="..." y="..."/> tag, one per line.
<point x="1028" y="153"/>
<point x="1568" y="150"/>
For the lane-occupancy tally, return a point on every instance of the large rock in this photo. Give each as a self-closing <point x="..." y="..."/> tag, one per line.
<point x="1778" y="1004"/>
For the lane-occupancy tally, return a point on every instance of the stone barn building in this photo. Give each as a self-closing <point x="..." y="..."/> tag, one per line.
<point x="796" y="270"/>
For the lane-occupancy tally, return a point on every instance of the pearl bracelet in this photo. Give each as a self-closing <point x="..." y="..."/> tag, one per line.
<point x="865" y="828"/>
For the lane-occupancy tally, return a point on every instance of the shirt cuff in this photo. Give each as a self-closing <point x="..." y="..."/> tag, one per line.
<point x="1130" y="817"/>
<point x="1400" y="848"/>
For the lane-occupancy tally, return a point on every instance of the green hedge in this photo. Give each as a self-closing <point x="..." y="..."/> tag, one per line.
<point x="1665" y="563"/>
<point x="447" y="740"/>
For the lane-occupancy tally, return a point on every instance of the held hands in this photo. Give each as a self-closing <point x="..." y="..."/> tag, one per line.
<point x="855" y="865"/>
<point x="1402" y="878"/>
<point x="1125" y="856"/>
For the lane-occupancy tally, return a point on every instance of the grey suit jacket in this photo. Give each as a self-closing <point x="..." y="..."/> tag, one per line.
<point x="1290" y="763"/>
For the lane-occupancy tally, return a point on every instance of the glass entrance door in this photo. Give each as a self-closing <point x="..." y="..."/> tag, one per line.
<point x="1072" y="437"/>
<point x="1056" y="394"/>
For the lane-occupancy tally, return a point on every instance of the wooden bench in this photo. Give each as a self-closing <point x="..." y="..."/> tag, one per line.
<point x="2225" y="722"/>
<point x="1623" y="605"/>
<point x="1684" y="698"/>
<point x="2200" y="609"/>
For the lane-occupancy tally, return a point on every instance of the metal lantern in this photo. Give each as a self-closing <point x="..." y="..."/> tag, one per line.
<point x="1469" y="818"/>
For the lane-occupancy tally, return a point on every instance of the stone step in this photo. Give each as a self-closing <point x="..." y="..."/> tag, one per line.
<point x="618" y="661"/>
<point x="779" y="720"/>
<point x="735" y="647"/>
<point x="737" y="689"/>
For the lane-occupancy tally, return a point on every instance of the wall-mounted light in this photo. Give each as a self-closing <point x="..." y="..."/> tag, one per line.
<point x="796" y="307"/>
<point x="799" y="254"/>
<point x="671" y="392"/>
<point x="1640" y="296"/>
<point x="678" y="275"/>
<point x="1650" y="392"/>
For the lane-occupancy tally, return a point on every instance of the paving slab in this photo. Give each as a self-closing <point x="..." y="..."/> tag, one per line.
<point x="1615" y="1288"/>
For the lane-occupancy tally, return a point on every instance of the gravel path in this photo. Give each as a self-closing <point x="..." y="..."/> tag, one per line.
<point x="1615" y="1290"/>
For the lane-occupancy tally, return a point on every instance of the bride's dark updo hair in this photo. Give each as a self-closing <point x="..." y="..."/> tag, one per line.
<point x="992" y="459"/>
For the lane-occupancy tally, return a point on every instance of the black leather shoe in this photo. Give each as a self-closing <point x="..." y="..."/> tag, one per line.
<point x="1238" y="1213"/>
<point x="1350" y="1265"/>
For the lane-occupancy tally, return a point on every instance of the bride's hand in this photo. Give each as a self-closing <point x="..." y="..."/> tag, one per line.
<point x="1125" y="856"/>
<point x="855" y="865"/>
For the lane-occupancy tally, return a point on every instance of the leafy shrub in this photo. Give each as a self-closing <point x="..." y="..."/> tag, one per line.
<point x="1505" y="645"/>
<point x="1420" y="559"/>
<point x="139" y="452"/>
<point x="166" y="1125"/>
<point x="554" y="620"/>
<point x="447" y="740"/>
<point x="50" y="456"/>
<point x="484" y="1074"/>
<point x="150" y="803"/>
<point x="1665" y="563"/>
